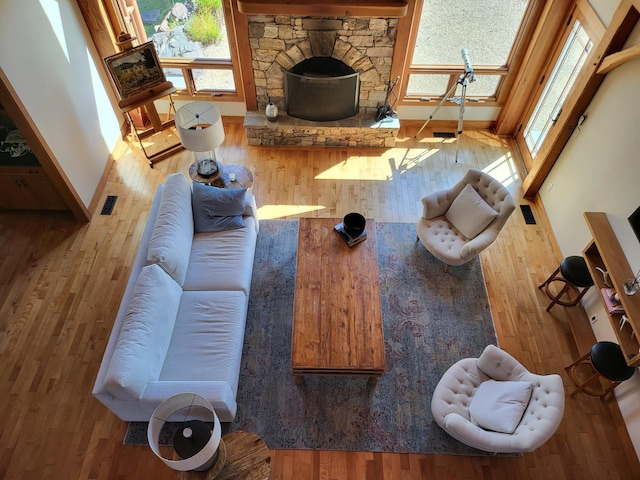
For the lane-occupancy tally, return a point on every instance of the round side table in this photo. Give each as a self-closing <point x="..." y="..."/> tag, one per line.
<point x="243" y="177"/>
<point x="247" y="458"/>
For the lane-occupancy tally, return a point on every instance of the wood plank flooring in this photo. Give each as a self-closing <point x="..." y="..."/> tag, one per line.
<point x="61" y="283"/>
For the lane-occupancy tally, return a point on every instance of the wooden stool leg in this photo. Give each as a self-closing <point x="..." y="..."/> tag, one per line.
<point x="556" y="299"/>
<point x="551" y="277"/>
<point x="582" y="386"/>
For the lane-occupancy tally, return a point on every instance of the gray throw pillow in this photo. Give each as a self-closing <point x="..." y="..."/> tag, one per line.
<point x="216" y="209"/>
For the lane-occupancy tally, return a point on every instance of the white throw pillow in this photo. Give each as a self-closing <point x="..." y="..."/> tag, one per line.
<point x="499" y="406"/>
<point x="469" y="213"/>
<point x="145" y="335"/>
<point x="170" y="245"/>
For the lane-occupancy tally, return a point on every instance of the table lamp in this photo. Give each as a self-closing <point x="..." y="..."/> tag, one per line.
<point x="197" y="443"/>
<point x="200" y="129"/>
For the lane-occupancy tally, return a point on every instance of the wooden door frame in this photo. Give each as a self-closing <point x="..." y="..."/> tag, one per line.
<point x="29" y="130"/>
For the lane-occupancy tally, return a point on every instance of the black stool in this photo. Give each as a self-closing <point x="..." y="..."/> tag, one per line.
<point x="573" y="272"/>
<point x="607" y="361"/>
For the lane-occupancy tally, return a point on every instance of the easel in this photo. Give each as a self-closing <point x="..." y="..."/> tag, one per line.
<point x="146" y="100"/>
<point x="463" y="80"/>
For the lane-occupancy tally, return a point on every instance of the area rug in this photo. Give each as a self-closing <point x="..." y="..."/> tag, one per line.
<point x="432" y="318"/>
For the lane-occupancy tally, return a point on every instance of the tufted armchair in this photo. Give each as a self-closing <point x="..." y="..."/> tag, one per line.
<point x="456" y="224"/>
<point x="454" y="393"/>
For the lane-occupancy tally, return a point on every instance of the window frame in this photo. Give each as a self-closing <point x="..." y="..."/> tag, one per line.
<point x="595" y="30"/>
<point x="507" y="72"/>
<point x="187" y="65"/>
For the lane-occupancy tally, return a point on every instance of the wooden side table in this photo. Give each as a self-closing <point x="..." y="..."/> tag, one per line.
<point x="247" y="458"/>
<point x="243" y="177"/>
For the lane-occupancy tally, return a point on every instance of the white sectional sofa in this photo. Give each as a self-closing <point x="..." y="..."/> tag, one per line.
<point x="180" y="325"/>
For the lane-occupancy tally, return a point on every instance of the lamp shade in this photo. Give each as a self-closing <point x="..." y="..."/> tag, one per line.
<point x="199" y="126"/>
<point x="195" y="442"/>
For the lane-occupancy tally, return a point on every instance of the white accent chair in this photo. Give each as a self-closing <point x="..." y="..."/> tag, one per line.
<point x="456" y="225"/>
<point x="454" y="394"/>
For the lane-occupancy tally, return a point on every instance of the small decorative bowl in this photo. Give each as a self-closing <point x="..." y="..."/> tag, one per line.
<point x="354" y="224"/>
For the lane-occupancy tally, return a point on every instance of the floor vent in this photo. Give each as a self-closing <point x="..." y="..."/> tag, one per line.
<point x="109" y="203"/>
<point x="444" y="134"/>
<point x="528" y="215"/>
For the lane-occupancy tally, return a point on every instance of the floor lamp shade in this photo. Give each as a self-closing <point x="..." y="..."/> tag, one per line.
<point x="192" y="412"/>
<point x="199" y="126"/>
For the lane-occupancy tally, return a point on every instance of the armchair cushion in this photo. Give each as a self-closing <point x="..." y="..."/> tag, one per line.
<point x="469" y="213"/>
<point x="499" y="406"/>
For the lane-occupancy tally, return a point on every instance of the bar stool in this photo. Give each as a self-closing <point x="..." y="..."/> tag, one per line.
<point x="574" y="273"/>
<point x="607" y="361"/>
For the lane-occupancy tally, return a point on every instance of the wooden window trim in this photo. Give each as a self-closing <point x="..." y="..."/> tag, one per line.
<point x="408" y="27"/>
<point x="585" y="88"/>
<point x="104" y="25"/>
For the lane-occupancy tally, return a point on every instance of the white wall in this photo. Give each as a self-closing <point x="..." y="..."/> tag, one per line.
<point x="51" y="64"/>
<point x="599" y="170"/>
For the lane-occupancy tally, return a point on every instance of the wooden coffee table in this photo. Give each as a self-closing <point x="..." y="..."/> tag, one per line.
<point x="337" y="318"/>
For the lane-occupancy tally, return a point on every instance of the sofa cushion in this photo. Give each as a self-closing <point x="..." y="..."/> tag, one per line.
<point x="499" y="406"/>
<point x="222" y="260"/>
<point x="170" y="245"/>
<point x="217" y="209"/>
<point x="469" y="213"/>
<point x="207" y="340"/>
<point x="145" y="334"/>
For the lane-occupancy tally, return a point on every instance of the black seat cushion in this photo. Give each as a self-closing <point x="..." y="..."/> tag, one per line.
<point x="574" y="269"/>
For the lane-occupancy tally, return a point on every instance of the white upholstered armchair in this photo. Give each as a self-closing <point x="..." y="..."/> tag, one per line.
<point x="486" y="391"/>
<point x="458" y="223"/>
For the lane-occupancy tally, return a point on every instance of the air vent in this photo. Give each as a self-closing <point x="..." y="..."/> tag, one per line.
<point x="444" y="134"/>
<point x="528" y="215"/>
<point x="109" y="203"/>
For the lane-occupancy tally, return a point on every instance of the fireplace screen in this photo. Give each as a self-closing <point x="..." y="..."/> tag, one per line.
<point x="321" y="89"/>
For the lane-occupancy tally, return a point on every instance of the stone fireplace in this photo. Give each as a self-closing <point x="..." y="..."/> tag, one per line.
<point x="280" y="42"/>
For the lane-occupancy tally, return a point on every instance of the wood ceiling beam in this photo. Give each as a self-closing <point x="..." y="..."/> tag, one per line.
<point x="330" y="8"/>
<point x="616" y="59"/>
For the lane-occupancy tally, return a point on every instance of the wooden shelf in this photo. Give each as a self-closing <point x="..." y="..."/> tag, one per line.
<point x="604" y="251"/>
<point x="329" y="8"/>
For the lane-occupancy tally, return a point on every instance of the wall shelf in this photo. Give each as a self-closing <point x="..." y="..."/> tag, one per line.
<point x="604" y="251"/>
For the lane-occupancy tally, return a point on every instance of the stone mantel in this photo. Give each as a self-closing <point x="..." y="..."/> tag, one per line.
<point x="337" y="8"/>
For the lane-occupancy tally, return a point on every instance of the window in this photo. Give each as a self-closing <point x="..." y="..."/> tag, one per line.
<point x="489" y="30"/>
<point x="192" y="41"/>
<point x="551" y="102"/>
<point x="549" y="107"/>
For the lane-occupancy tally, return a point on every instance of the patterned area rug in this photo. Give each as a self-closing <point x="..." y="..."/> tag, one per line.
<point x="431" y="320"/>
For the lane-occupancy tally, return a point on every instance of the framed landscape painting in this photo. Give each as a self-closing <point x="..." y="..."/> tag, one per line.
<point x="135" y="70"/>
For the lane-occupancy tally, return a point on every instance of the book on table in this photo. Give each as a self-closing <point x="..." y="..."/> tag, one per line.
<point x="349" y="240"/>
<point x="611" y="300"/>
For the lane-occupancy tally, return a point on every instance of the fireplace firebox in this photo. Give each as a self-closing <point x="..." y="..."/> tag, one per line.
<point x="321" y="89"/>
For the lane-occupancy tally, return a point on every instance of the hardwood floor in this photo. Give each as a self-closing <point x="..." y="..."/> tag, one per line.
<point x="61" y="282"/>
